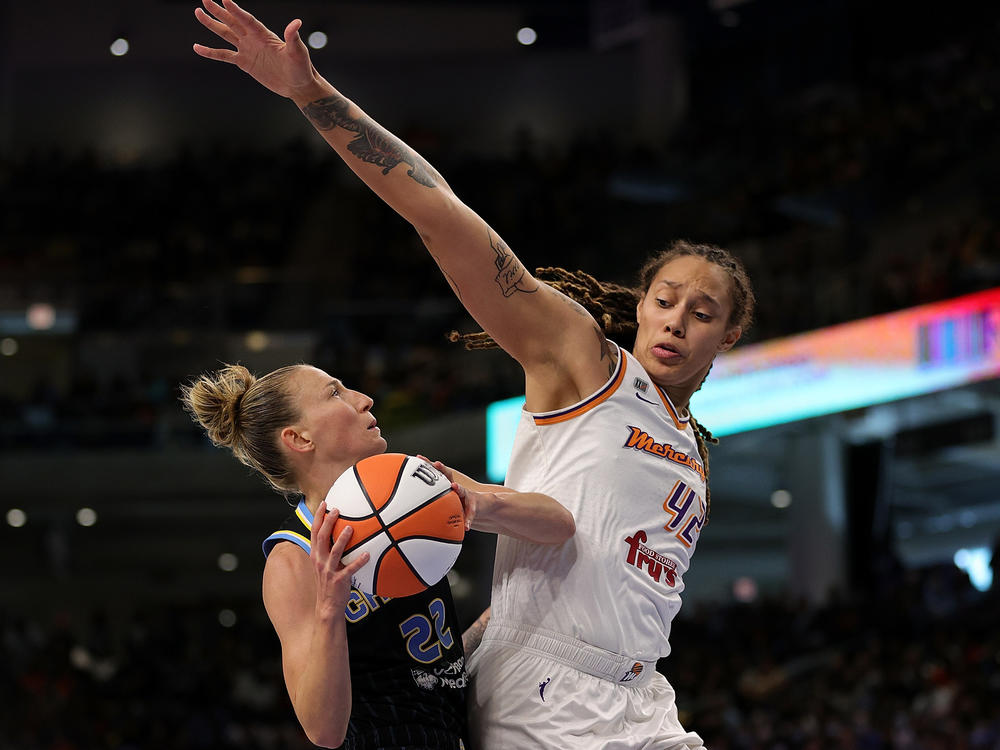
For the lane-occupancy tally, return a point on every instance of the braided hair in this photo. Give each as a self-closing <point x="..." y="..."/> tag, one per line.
<point x="613" y="307"/>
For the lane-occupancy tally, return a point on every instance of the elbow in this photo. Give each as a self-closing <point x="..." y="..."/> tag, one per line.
<point x="326" y="730"/>
<point x="568" y="527"/>
<point x="563" y="530"/>
<point x="331" y="737"/>
<point x="447" y="217"/>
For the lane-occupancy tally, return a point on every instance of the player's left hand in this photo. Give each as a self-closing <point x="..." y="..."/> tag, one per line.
<point x="472" y="501"/>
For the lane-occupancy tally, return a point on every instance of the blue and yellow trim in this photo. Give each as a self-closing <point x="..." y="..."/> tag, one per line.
<point x="305" y="515"/>
<point x="287" y="535"/>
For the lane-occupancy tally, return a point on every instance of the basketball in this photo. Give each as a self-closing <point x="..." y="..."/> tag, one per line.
<point x="405" y="515"/>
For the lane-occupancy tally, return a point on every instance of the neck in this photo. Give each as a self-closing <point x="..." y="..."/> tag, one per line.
<point x="317" y="483"/>
<point x="679" y="397"/>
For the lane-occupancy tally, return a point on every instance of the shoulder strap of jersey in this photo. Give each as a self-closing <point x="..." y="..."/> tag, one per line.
<point x="605" y="392"/>
<point x="292" y="530"/>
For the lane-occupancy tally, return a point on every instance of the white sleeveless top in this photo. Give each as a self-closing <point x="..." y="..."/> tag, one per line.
<point x="626" y="464"/>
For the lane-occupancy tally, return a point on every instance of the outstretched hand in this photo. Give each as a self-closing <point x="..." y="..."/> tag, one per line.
<point x="280" y="64"/>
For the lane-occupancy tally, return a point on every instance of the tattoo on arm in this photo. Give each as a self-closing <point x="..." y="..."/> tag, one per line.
<point x="510" y="271"/>
<point x="472" y="637"/>
<point x="606" y="350"/>
<point x="373" y="143"/>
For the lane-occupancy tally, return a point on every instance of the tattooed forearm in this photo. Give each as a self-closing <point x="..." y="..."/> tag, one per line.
<point x="373" y="143"/>
<point x="510" y="271"/>
<point x="472" y="637"/>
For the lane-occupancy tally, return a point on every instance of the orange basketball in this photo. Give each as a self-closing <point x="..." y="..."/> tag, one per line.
<point x="405" y="515"/>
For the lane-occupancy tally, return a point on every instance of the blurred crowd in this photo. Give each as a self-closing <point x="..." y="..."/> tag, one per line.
<point x="847" y="200"/>
<point x="858" y="197"/>
<point x="914" y="666"/>
<point x="915" y="670"/>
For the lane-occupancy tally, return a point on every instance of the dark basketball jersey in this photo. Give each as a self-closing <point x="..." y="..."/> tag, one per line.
<point x="407" y="664"/>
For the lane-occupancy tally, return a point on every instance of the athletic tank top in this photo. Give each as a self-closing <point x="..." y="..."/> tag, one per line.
<point x="408" y="673"/>
<point x="625" y="462"/>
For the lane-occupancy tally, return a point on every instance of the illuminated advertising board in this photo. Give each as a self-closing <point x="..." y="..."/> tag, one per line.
<point x="871" y="361"/>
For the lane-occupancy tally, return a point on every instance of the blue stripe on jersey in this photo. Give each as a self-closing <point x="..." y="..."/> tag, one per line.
<point x="286" y="535"/>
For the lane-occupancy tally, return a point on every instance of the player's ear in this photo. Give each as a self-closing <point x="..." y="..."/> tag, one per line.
<point x="296" y="441"/>
<point x="732" y="336"/>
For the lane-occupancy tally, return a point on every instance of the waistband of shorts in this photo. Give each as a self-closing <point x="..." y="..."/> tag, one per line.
<point x="575" y="653"/>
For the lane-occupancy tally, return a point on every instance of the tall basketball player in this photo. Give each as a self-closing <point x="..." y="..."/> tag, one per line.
<point x="568" y="658"/>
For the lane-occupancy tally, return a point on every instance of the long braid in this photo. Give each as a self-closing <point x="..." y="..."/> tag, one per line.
<point x="611" y="305"/>
<point x="703" y="437"/>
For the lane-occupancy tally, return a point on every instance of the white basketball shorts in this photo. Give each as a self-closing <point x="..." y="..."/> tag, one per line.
<point x="537" y="689"/>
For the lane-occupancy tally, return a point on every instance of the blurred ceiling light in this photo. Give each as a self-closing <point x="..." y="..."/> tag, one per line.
<point x="745" y="589"/>
<point x="8" y="347"/>
<point x="119" y="47"/>
<point x="41" y="316"/>
<point x="257" y="341"/>
<point x="967" y="519"/>
<point x="227" y="618"/>
<point x="228" y="562"/>
<point x="317" y="40"/>
<point x="527" y="35"/>
<point x="16" y="517"/>
<point x="86" y="516"/>
<point x="975" y="562"/>
<point x="781" y="498"/>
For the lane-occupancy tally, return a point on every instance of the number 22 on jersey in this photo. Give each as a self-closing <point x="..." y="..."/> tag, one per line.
<point x="419" y="632"/>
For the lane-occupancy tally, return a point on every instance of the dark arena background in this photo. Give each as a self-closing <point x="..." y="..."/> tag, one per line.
<point x="162" y="214"/>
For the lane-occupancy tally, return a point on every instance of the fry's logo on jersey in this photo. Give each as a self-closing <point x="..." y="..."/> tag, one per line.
<point x="656" y="564"/>
<point x="638" y="439"/>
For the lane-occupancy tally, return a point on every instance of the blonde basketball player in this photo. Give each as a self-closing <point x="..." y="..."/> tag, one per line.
<point x="363" y="672"/>
<point x="568" y="659"/>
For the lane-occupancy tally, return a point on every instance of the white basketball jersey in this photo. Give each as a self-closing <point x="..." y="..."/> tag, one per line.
<point x="626" y="464"/>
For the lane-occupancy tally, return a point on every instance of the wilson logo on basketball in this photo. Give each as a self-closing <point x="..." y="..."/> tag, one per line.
<point x="634" y="672"/>
<point x="655" y="564"/>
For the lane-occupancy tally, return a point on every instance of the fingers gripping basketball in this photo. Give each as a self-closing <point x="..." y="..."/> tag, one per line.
<point x="405" y="515"/>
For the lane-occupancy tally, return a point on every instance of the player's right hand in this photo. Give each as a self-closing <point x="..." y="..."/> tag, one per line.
<point x="333" y="578"/>
<point x="280" y="64"/>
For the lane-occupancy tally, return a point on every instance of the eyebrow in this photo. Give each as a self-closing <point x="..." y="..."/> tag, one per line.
<point x="334" y="383"/>
<point x="707" y="297"/>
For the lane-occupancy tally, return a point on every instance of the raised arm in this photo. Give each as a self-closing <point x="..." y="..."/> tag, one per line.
<point x="561" y="348"/>
<point x="305" y="598"/>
